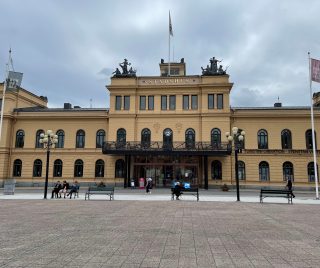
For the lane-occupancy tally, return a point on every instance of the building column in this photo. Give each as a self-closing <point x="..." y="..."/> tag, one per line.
<point x="205" y="159"/>
<point x="126" y="175"/>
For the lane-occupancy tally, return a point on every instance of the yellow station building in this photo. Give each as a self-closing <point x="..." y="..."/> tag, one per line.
<point x="164" y="127"/>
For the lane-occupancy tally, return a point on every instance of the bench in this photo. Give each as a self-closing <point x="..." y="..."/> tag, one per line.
<point x="192" y="191"/>
<point x="106" y="190"/>
<point x="276" y="193"/>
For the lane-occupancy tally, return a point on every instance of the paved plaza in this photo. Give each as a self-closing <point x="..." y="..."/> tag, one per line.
<point x="157" y="233"/>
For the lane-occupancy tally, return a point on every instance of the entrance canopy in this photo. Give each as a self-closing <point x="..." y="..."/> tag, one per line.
<point x="160" y="148"/>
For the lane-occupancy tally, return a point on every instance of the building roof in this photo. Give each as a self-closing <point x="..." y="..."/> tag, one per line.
<point x="45" y="109"/>
<point x="276" y="108"/>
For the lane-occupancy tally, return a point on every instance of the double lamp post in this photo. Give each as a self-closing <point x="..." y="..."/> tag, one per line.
<point x="48" y="139"/>
<point x="236" y="137"/>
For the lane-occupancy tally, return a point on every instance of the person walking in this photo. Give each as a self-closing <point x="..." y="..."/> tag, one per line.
<point x="289" y="186"/>
<point x="149" y="186"/>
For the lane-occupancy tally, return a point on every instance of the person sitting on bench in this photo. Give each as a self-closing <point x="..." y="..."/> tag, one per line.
<point x="177" y="190"/>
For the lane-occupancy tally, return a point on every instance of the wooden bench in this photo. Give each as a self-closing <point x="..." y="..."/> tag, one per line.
<point x="276" y="193"/>
<point x="106" y="190"/>
<point x="192" y="191"/>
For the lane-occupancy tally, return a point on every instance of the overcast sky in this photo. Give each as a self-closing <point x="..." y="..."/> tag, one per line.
<point x="67" y="50"/>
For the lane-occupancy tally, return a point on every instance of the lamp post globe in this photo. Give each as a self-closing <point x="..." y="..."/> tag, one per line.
<point x="236" y="139"/>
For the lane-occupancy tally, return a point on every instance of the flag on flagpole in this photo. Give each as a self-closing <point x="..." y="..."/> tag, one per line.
<point x="315" y="70"/>
<point x="170" y="25"/>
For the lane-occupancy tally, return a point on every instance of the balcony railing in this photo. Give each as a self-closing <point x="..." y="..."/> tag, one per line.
<point x="160" y="148"/>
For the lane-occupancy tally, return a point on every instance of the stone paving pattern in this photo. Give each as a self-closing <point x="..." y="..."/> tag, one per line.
<point x="64" y="233"/>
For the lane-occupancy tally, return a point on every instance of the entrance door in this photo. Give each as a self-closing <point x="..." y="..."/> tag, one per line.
<point x="167" y="176"/>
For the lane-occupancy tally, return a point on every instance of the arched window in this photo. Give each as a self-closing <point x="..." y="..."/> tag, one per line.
<point x="38" y="144"/>
<point x="190" y="138"/>
<point x="309" y="139"/>
<point x="287" y="170"/>
<point x="17" y="168"/>
<point x="286" y="141"/>
<point x="311" y="174"/>
<point x="241" y="170"/>
<point x="215" y="137"/>
<point x="20" y="139"/>
<point x="99" y="170"/>
<point x="37" y="168"/>
<point x="121" y="137"/>
<point x="216" y="170"/>
<point x="80" y="139"/>
<point x="264" y="173"/>
<point x="78" y="168"/>
<point x="60" y="134"/>
<point x="100" y="138"/>
<point x="120" y="169"/>
<point x="57" y="168"/>
<point x="167" y="139"/>
<point x="145" y="137"/>
<point x="262" y="139"/>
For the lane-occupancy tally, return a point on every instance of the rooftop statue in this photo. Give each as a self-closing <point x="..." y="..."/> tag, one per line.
<point x="213" y="68"/>
<point x="125" y="72"/>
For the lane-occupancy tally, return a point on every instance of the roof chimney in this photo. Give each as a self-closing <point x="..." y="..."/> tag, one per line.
<point x="67" y="105"/>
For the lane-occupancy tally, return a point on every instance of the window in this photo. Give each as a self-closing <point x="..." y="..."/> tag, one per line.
<point x="287" y="169"/>
<point x="216" y="170"/>
<point x="60" y="134"/>
<point x="118" y="103"/>
<point x="163" y="102"/>
<point x="57" y="168"/>
<point x="100" y="138"/>
<point x="120" y="169"/>
<point x="172" y="102"/>
<point x="210" y="101"/>
<point x="150" y="102"/>
<point x="78" y="168"/>
<point x="167" y="138"/>
<point x="126" y="103"/>
<point x="190" y="138"/>
<point x="309" y="145"/>
<point x="17" y="168"/>
<point x="99" y="170"/>
<point x="264" y="171"/>
<point x="121" y="137"/>
<point x="20" y="139"/>
<point x="262" y="139"/>
<point x="311" y="174"/>
<point x="241" y="170"/>
<point x="37" y="168"/>
<point x="286" y="139"/>
<point x="194" y="102"/>
<point x="220" y="101"/>
<point x="80" y="139"/>
<point x="145" y="137"/>
<point x="142" y="102"/>
<point x="215" y="137"/>
<point x="185" y="102"/>
<point x="38" y="144"/>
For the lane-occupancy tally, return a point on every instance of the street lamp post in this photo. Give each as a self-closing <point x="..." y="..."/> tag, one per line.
<point x="48" y="139"/>
<point x="236" y="137"/>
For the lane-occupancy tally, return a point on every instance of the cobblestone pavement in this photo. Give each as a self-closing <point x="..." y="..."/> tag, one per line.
<point x="46" y="233"/>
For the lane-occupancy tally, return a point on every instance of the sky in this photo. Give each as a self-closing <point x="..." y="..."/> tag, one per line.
<point x="67" y="50"/>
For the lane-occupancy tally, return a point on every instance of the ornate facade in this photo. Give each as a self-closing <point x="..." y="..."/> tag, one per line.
<point x="167" y="128"/>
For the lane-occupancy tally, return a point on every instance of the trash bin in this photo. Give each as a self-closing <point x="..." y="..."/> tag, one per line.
<point x="132" y="184"/>
<point x="9" y="186"/>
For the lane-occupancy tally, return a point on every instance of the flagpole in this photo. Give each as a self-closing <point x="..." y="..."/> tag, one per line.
<point x="169" y="45"/>
<point x="313" y="136"/>
<point x="3" y="93"/>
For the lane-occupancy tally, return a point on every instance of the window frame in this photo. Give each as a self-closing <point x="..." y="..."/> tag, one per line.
<point x="220" y="101"/>
<point x="118" y="104"/>
<point x="142" y="103"/>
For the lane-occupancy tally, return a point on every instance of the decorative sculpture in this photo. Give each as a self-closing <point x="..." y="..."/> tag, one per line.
<point x="125" y="73"/>
<point x="213" y="68"/>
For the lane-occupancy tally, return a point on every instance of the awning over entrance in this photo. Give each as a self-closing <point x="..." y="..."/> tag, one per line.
<point x="160" y="148"/>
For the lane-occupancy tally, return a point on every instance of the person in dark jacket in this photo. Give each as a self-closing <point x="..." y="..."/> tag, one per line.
<point x="64" y="190"/>
<point x="56" y="188"/>
<point x="289" y="186"/>
<point x="74" y="189"/>
<point x="177" y="190"/>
